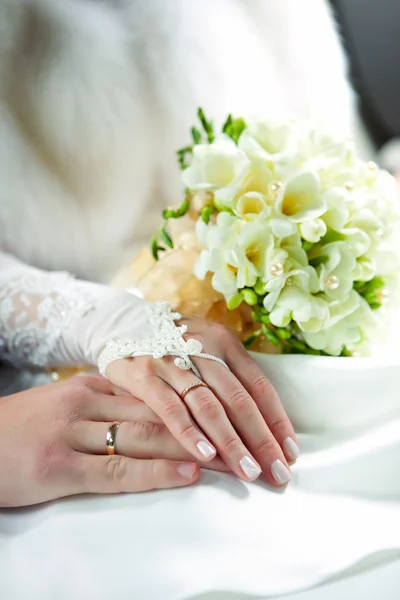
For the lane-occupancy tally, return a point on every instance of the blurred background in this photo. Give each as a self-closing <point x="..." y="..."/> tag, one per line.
<point x="371" y="35"/>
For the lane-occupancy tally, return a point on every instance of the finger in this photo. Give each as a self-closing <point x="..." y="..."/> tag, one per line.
<point x="115" y="474"/>
<point x="118" y="408"/>
<point x="209" y="413"/>
<point x="173" y="412"/>
<point x="96" y="383"/>
<point x="144" y="440"/>
<point x="267" y="400"/>
<point x="247" y="420"/>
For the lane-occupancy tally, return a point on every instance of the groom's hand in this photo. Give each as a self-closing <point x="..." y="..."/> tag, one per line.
<point x="53" y="444"/>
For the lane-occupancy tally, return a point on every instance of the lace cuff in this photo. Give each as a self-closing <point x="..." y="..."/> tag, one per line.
<point x="35" y="307"/>
<point x="166" y="340"/>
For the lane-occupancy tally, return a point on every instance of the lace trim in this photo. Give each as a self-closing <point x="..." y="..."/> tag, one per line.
<point x="34" y="309"/>
<point x="167" y="341"/>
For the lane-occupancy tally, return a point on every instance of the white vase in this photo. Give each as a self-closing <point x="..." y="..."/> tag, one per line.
<point x="327" y="394"/>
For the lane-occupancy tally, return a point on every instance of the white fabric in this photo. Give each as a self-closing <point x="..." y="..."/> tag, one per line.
<point x="341" y="510"/>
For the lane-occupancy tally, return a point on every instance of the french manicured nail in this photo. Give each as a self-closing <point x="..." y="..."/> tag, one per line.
<point x="291" y="449"/>
<point x="249" y="467"/>
<point x="280" y="473"/>
<point x="206" y="449"/>
<point x="186" y="470"/>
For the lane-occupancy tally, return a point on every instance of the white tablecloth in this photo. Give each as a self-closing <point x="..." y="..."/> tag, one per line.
<point x="225" y="540"/>
<point x="342" y="511"/>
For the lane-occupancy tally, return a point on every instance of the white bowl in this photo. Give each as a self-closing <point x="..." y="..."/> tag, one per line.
<point x="325" y="393"/>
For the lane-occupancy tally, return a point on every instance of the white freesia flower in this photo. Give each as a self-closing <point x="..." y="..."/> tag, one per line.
<point x="336" y="272"/>
<point x="216" y="165"/>
<point x="346" y="332"/>
<point x="254" y="184"/>
<point x="269" y="140"/>
<point x="313" y="231"/>
<point x="308" y="311"/>
<point x="301" y="199"/>
<point x="252" y="205"/>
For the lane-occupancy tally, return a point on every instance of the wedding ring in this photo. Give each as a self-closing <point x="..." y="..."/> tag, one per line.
<point x="191" y="387"/>
<point x="111" y="438"/>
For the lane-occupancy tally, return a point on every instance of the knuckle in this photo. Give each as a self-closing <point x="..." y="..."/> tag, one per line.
<point x="222" y="332"/>
<point x="188" y="431"/>
<point x="173" y="409"/>
<point x="262" y="387"/>
<point x="75" y="392"/>
<point x="116" y="471"/>
<point x="145" y="431"/>
<point x="240" y="403"/>
<point x="267" y="447"/>
<point x="231" y="445"/>
<point x="148" y="368"/>
<point x="281" y="425"/>
<point x="208" y="406"/>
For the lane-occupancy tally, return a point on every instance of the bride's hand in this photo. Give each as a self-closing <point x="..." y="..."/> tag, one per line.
<point x="238" y="415"/>
<point x="53" y="444"/>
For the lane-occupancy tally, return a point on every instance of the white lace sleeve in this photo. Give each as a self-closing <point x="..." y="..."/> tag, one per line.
<point x="35" y="307"/>
<point x="44" y="316"/>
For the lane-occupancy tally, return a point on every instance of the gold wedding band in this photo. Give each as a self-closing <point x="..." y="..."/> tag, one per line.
<point x="111" y="437"/>
<point x="191" y="387"/>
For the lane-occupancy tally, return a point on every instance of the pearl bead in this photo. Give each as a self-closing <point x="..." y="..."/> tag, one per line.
<point x="332" y="282"/>
<point x="276" y="270"/>
<point x="372" y="166"/>
<point x="349" y="185"/>
<point x="275" y="187"/>
<point x="355" y="354"/>
<point x="54" y="377"/>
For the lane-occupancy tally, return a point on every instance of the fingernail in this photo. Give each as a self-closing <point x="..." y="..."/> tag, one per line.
<point x="280" y="473"/>
<point x="249" y="467"/>
<point x="206" y="449"/>
<point x="186" y="470"/>
<point x="291" y="449"/>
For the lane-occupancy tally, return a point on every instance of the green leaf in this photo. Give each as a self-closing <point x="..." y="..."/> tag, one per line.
<point x="154" y="247"/>
<point x="182" y="156"/>
<point x="332" y="236"/>
<point x="306" y="245"/>
<point x="227" y="124"/>
<point x="207" y="125"/>
<point x="318" y="260"/>
<point x="235" y="129"/>
<point x="374" y="285"/>
<point x="166" y="238"/>
<point x="196" y="135"/>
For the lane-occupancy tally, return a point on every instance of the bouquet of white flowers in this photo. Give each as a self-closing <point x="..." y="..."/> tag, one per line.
<point x="294" y="224"/>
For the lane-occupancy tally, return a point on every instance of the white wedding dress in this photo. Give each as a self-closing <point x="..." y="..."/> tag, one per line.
<point x="95" y="97"/>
